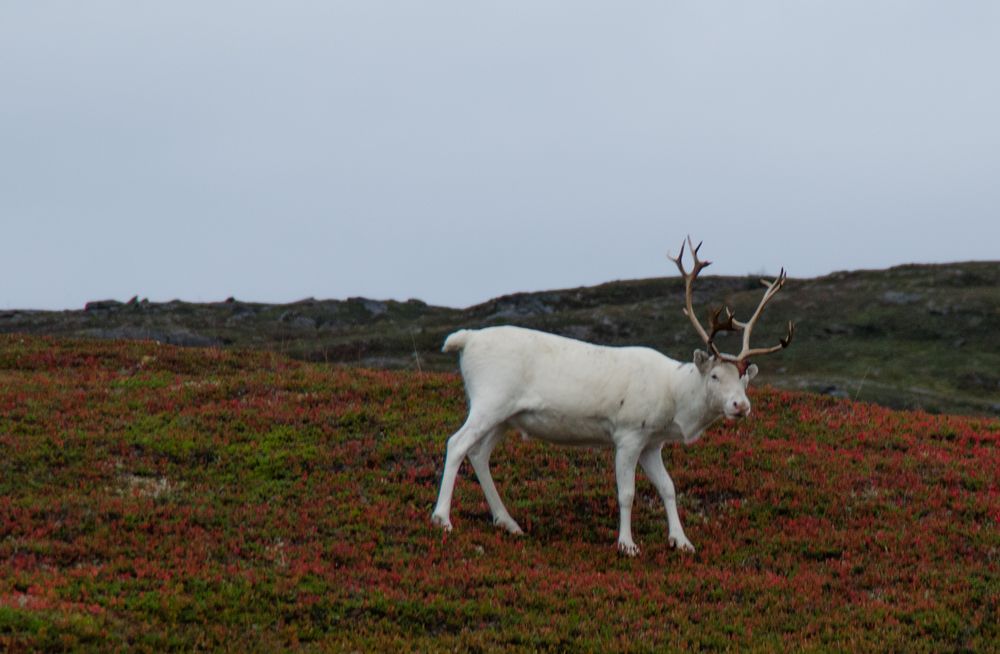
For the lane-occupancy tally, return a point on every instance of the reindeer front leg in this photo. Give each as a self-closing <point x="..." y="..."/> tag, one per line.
<point x="626" y="457"/>
<point x="652" y="464"/>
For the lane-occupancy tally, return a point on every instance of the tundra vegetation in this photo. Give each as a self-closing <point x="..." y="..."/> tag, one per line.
<point x="156" y="498"/>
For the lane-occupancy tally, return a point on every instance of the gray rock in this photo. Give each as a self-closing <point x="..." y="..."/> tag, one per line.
<point x="102" y="305"/>
<point x="240" y="316"/>
<point x="936" y="309"/>
<point x="303" y="322"/>
<point x="374" y="307"/>
<point x="901" y="297"/>
<point x="297" y="320"/>
<point x="519" y="306"/>
<point x="834" y="391"/>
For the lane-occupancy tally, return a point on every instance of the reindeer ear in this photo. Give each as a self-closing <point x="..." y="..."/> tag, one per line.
<point x="703" y="360"/>
<point x="751" y="372"/>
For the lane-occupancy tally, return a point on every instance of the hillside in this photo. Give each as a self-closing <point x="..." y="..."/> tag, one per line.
<point x="156" y="498"/>
<point x="918" y="336"/>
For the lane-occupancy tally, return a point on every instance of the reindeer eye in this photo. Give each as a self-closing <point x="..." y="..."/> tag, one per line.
<point x="715" y="377"/>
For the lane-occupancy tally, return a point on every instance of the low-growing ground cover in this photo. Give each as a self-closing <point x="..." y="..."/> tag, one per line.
<point x="158" y="499"/>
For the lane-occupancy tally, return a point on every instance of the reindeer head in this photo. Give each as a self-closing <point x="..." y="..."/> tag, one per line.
<point x="725" y="388"/>
<point x="727" y="376"/>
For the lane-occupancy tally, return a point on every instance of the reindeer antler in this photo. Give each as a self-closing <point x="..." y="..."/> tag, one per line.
<point x="729" y="323"/>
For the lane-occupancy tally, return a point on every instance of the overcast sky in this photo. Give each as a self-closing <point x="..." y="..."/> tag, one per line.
<point x="455" y="151"/>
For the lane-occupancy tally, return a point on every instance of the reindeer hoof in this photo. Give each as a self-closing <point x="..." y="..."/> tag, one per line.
<point x="509" y="524"/>
<point x="441" y="521"/>
<point x="628" y="549"/>
<point x="681" y="543"/>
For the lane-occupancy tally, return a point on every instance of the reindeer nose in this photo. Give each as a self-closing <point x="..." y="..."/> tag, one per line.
<point x="741" y="407"/>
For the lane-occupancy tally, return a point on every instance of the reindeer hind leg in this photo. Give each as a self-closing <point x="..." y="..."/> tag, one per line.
<point x="479" y="456"/>
<point x="476" y="428"/>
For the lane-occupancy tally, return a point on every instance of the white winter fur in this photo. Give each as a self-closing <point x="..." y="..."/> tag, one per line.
<point x="557" y="389"/>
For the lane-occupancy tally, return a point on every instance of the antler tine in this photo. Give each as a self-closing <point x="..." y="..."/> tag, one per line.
<point x="679" y="260"/>
<point x="778" y="282"/>
<point x="698" y="263"/>
<point x="787" y="340"/>
<point x="689" y="278"/>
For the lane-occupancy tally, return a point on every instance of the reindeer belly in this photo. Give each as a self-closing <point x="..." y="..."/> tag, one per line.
<point x="564" y="430"/>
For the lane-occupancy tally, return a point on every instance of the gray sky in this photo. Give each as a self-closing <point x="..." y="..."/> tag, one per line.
<point x="454" y="151"/>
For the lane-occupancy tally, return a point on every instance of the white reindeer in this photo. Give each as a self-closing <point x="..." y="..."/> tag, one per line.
<point x="568" y="392"/>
